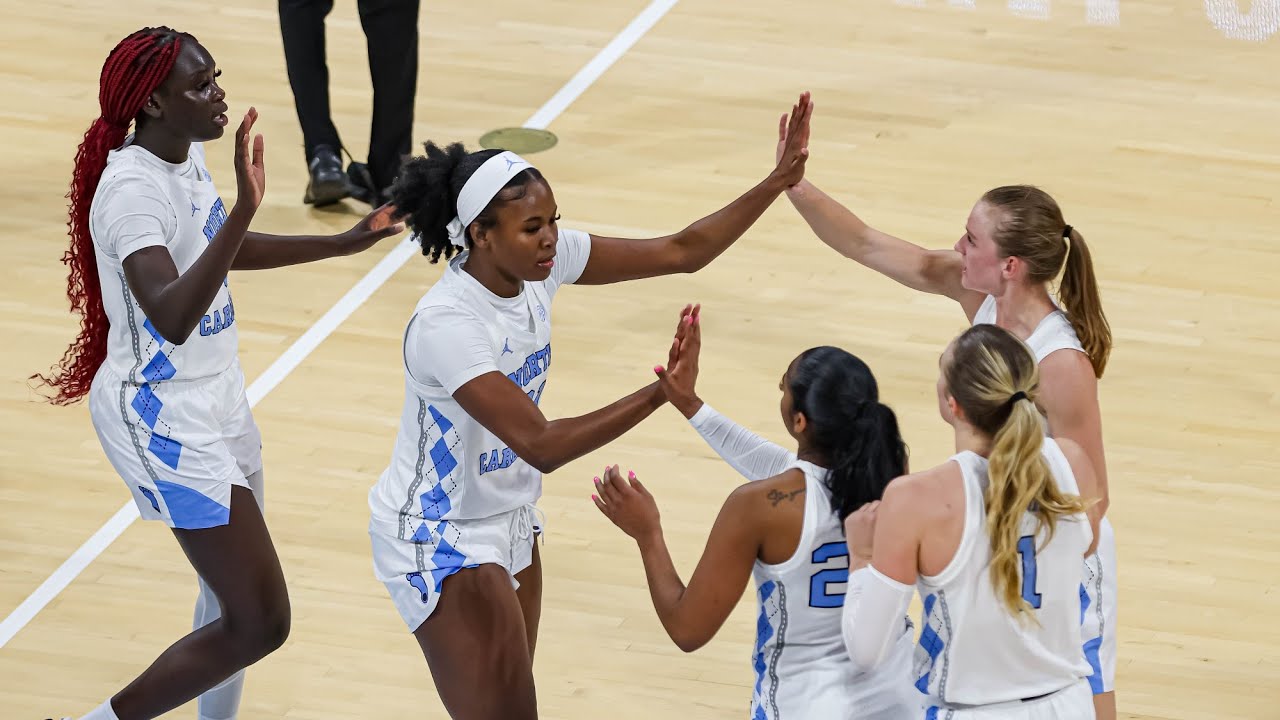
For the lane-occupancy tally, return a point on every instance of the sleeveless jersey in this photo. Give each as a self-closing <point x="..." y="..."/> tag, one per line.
<point x="972" y="650"/>
<point x="1053" y="333"/>
<point x="802" y="669"/>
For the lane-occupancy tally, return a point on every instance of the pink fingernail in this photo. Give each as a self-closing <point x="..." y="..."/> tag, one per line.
<point x="657" y="369"/>
<point x="593" y="497"/>
<point x="631" y="474"/>
<point x="597" y="480"/>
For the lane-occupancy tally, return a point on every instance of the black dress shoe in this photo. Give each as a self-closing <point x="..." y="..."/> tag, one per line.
<point x="328" y="184"/>
<point x="360" y="186"/>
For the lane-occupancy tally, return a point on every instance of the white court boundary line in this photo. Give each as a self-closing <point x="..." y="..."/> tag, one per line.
<point x="311" y="339"/>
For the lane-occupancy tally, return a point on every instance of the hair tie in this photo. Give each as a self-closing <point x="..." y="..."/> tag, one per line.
<point x="1020" y="395"/>
<point x="480" y="189"/>
<point x="1066" y="232"/>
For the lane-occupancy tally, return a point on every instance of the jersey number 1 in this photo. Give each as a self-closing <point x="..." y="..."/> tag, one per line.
<point x="1027" y="549"/>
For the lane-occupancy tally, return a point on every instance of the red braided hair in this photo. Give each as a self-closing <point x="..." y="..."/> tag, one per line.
<point x="133" y="70"/>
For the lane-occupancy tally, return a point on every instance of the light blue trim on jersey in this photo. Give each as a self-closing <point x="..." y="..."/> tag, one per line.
<point x="935" y="633"/>
<point x="1084" y="602"/>
<point x="930" y="643"/>
<point x="1091" y="648"/>
<point x="764" y="633"/>
<point x="435" y="502"/>
<point x="764" y="700"/>
<point x="148" y="405"/>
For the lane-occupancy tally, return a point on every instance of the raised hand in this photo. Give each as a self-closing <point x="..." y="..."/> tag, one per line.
<point x="627" y="504"/>
<point x="381" y="223"/>
<point x="793" y="142"/>
<point x="251" y="177"/>
<point x="679" y="378"/>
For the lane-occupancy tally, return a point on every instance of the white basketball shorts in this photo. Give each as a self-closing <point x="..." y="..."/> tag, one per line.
<point x="1071" y="703"/>
<point x="178" y="445"/>
<point x="414" y="570"/>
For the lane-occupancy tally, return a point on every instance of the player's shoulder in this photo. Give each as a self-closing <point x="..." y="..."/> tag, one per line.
<point x="917" y="492"/>
<point x="756" y="497"/>
<point x="1071" y="450"/>
<point x="445" y="317"/>
<point x="445" y="308"/>
<point x="791" y="480"/>
<point x="129" y="172"/>
<point x="1068" y="384"/>
<point x="1067" y="359"/>
<point x="574" y="236"/>
<point x="770" y="504"/>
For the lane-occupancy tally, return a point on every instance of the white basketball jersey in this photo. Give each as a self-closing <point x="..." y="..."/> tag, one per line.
<point x="1053" y="333"/>
<point x="972" y="650"/>
<point x="445" y="465"/>
<point x="801" y="666"/>
<point x="143" y="201"/>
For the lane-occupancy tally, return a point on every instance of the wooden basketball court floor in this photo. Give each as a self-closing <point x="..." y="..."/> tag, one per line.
<point x="1156" y="125"/>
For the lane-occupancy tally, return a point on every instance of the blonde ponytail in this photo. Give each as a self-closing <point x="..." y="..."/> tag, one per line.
<point x="1019" y="481"/>
<point x="994" y="379"/>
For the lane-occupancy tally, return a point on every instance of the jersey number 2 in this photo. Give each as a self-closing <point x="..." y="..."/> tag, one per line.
<point x="1027" y="549"/>
<point x="818" y="595"/>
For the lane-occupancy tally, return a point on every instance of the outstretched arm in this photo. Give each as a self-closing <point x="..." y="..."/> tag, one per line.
<point x="507" y="409"/>
<point x="690" y="614"/>
<point x="931" y="271"/>
<point x="751" y="455"/>
<point x="261" y="251"/>
<point x="498" y="404"/>
<point x="616" y="259"/>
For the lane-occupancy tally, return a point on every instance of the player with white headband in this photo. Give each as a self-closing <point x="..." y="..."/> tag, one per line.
<point x="453" y="518"/>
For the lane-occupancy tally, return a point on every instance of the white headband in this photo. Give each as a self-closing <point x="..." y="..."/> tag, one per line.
<point x="480" y="188"/>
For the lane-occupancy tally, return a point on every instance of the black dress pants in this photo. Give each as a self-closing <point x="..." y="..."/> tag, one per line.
<point x="391" y="34"/>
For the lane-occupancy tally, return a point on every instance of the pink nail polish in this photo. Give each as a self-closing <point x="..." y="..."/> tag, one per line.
<point x="593" y="497"/>
<point x="657" y="368"/>
<point x="631" y="474"/>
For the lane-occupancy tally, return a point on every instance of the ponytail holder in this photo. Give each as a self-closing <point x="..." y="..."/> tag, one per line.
<point x="1066" y="232"/>
<point x="1016" y="397"/>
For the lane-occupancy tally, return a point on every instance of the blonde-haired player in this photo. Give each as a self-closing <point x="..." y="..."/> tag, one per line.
<point x="993" y="539"/>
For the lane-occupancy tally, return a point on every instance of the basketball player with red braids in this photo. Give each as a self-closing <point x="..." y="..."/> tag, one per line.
<point x="151" y="246"/>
